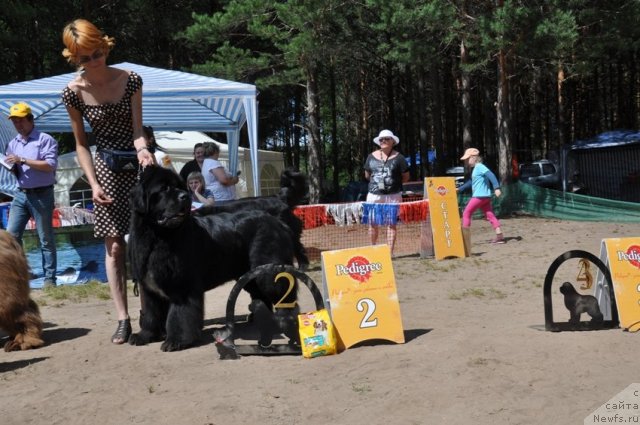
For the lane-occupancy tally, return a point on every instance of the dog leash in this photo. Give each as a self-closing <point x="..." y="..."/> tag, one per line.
<point x="140" y="171"/>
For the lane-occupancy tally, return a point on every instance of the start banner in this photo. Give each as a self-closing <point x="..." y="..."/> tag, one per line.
<point x="445" y="217"/>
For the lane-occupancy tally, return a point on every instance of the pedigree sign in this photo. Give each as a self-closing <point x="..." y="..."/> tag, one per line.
<point x="622" y="257"/>
<point x="360" y="292"/>
<point x="445" y="217"/>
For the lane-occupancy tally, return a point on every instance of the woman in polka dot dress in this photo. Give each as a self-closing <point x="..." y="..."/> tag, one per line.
<point x="110" y="99"/>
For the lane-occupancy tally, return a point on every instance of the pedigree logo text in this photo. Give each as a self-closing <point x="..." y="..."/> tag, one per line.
<point x="358" y="268"/>
<point x="632" y="255"/>
<point x="441" y="190"/>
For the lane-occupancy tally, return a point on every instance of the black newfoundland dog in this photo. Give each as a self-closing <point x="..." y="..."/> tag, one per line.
<point x="293" y="188"/>
<point x="176" y="256"/>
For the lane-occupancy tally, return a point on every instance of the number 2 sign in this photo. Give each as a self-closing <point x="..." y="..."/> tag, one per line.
<point x="360" y="292"/>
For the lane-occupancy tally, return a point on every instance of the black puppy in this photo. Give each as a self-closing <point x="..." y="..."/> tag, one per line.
<point x="177" y="257"/>
<point x="577" y="304"/>
<point x="293" y="188"/>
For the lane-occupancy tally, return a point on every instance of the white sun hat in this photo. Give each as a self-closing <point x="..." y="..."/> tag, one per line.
<point x="386" y="133"/>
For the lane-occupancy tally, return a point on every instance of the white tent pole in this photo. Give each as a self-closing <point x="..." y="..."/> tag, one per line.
<point x="233" y="139"/>
<point x="251" y="112"/>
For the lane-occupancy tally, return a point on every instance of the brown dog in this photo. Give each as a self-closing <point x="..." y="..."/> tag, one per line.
<point x="19" y="314"/>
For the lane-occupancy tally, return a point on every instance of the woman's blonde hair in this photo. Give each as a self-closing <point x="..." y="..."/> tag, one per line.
<point x="196" y="175"/>
<point x="81" y="33"/>
<point x="210" y="149"/>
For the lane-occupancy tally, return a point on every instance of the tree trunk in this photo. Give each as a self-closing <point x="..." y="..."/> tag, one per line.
<point x="561" y="119"/>
<point x="466" y="98"/>
<point x="503" y="119"/>
<point x="363" y="129"/>
<point x="297" y="114"/>
<point x="438" y="140"/>
<point x="313" y="142"/>
<point x="425" y="168"/>
<point x="335" y="149"/>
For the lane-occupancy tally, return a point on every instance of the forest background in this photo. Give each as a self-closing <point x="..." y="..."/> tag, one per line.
<point x="517" y="79"/>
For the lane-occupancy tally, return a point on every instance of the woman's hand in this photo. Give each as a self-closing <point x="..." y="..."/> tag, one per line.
<point x="146" y="158"/>
<point x="99" y="197"/>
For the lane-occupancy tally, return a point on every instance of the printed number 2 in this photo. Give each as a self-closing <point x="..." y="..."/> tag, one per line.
<point x="369" y="309"/>
<point x="292" y="283"/>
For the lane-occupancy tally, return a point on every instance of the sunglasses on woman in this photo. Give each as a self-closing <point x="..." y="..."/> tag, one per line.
<point x="94" y="56"/>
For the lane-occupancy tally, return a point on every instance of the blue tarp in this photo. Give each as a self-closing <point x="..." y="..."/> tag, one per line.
<point x="607" y="140"/>
<point x="605" y="166"/>
<point x="78" y="263"/>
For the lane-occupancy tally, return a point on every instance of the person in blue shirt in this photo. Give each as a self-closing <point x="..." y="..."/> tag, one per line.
<point x="34" y="157"/>
<point x="483" y="183"/>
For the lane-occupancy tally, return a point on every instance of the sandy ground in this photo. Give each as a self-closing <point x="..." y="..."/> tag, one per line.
<point x="475" y="353"/>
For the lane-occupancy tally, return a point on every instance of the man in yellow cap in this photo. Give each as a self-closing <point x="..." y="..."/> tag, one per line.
<point x="34" y="156"/>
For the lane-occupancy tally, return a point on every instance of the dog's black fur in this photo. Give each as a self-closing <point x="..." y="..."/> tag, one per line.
<point x="293" y="188"/>
<point x="176" y="257"/>
<point x="577" y="304"/>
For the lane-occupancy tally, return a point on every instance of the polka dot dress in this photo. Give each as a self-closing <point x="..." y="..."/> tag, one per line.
<point x="113" y="129"/>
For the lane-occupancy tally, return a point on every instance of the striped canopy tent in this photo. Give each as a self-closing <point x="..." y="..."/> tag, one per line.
<point x="8" y="182"/>
<point x="171" y="100"/>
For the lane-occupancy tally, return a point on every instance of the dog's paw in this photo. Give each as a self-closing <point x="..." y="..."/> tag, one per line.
<point x="145" y="337"/>
<point x="11" y="346"/>
<point x="139" y="339"/>
<point x="169" y="346"/>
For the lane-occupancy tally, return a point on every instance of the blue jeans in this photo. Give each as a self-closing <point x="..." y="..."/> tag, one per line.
<point x="38" y="205"/>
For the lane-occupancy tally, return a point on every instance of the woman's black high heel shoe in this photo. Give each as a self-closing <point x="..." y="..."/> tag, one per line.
<point x="123" y="331"/>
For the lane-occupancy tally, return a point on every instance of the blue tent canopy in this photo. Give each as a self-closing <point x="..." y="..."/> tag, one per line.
<point x="8" y="182"/>
<point x="171" y="100"/>
<point x="607" y="139"/>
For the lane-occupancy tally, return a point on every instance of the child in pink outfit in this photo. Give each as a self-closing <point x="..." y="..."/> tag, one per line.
<point x="482" y="181"/>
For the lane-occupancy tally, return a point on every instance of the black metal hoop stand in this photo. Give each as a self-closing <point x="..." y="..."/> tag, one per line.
<point x="227" y="348"/>
<point x="552" y="326"/>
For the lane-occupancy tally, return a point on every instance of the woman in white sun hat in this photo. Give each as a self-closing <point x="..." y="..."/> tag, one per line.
<point x="385" y="169"/>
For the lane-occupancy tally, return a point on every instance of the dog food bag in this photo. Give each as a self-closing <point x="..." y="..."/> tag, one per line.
<point x="317" y="334"/>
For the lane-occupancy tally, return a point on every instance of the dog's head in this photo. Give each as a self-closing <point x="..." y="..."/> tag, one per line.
<point x="567" y="288"/>
<point x="161" y="197"/>
<point x="293" y="187"/>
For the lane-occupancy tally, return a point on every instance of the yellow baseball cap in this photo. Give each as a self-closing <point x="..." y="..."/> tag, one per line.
<point x="19" y="110"/>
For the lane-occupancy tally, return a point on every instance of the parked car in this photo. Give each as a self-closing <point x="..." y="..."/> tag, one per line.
<point x="413" y="190"/>
<point x="457" y="173"/>
<point x="355" y="191"/>
<point x="542" y="173"/>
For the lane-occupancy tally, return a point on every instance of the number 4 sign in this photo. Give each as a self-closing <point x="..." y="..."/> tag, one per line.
<point x="360" y="292"/>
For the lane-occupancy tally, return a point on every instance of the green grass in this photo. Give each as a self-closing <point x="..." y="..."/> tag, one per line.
<point x="491" y="293"/>
<point x="478" y="361"/>
<point x="75" y="293"/>
<point x="360" y="388"/>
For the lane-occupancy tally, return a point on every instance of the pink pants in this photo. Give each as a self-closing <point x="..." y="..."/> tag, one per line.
<point x="485" y="205"/>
